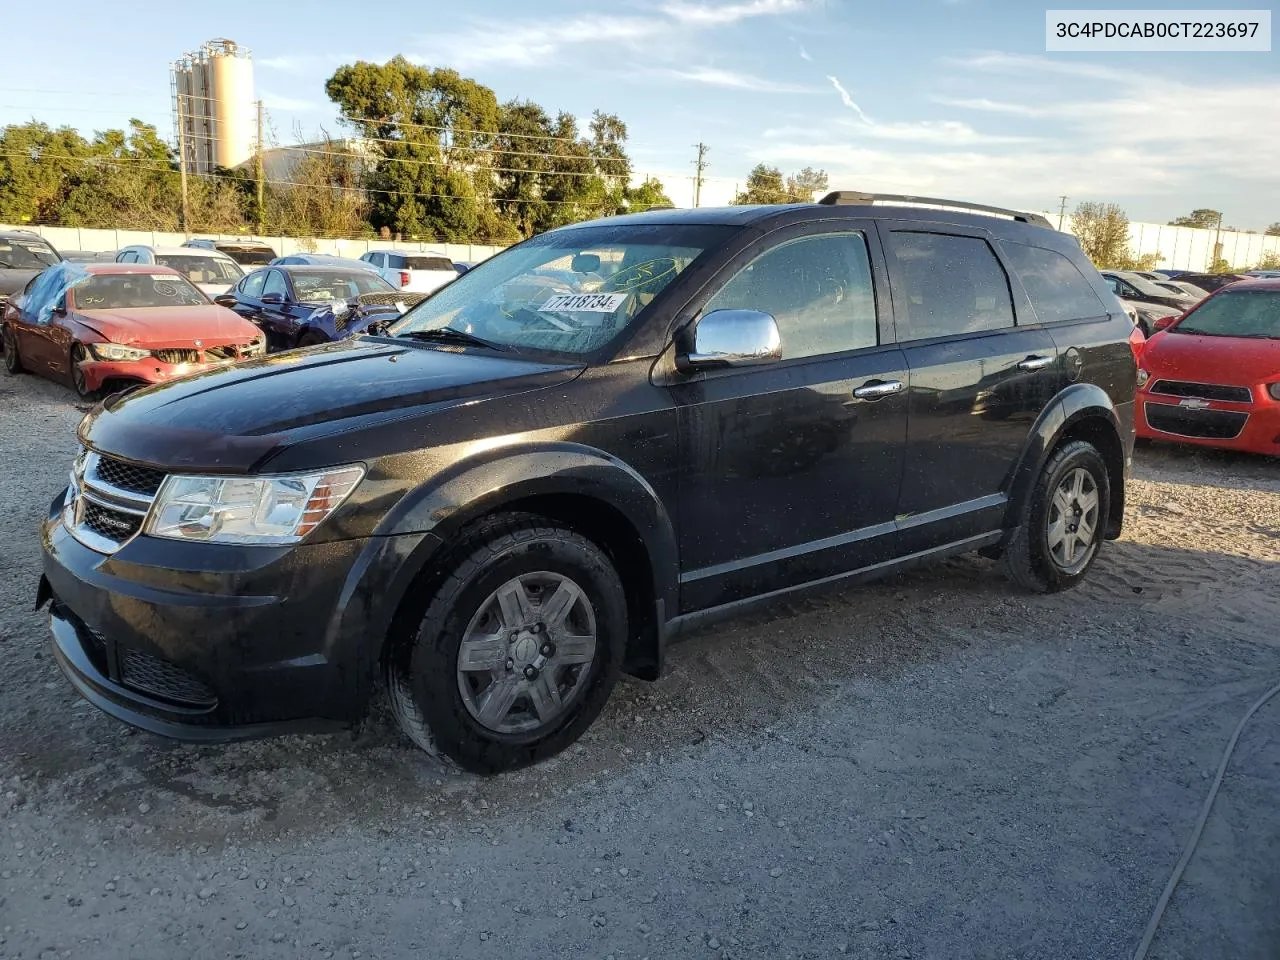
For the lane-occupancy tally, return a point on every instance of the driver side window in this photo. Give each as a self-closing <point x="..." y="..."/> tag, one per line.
<point x="251" y="286"/>
<point x="818" y="289"/>
<point x="275" y="284"/>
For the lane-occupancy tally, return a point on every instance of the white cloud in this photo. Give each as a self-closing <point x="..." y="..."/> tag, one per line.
<point x="992" y="106"/>
<point x="720" y="14"/>
<point x="804" y="54"/>
<point x="848" y="100"/>
<point x="738" y="81"/>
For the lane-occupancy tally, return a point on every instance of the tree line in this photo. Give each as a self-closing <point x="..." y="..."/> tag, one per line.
<point x="432" y="155"/>
<point x="1103" y="232"/>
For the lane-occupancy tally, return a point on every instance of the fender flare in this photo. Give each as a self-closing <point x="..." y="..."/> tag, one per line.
<point x="431" y="515"/>
<point x="1077" y="403"/>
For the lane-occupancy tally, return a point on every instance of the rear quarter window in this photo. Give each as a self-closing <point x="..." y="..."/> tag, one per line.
<point x="1055" y="286"/>
<point x="428" y="263"/>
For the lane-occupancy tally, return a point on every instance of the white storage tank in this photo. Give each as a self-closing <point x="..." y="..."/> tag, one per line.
<point x="214" y="105"/>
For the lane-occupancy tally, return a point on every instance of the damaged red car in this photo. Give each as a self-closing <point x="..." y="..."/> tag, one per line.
<point x="114" y="325"/>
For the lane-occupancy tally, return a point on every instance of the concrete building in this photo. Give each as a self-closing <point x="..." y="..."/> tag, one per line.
<point x="214" y="113"/>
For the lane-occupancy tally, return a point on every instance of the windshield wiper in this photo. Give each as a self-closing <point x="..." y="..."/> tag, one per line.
<point x="452" y="335"/>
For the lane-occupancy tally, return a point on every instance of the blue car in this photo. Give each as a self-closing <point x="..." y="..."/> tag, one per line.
<point x="300" y="305"/>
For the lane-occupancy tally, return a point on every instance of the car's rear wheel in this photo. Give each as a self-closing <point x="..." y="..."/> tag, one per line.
<point x="79" y="357"/>
<point x="12" y="361"/>
<point x="518" y="650"/>
<point x="1062" y="523"/>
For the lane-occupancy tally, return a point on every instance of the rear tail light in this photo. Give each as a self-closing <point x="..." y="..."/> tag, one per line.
<point x="404" y="278"/>
<point x="1163" y="323"/>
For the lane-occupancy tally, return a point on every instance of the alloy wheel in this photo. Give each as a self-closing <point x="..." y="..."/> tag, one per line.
<point x="526" y="655"/>
<point x="1072" y="522"/>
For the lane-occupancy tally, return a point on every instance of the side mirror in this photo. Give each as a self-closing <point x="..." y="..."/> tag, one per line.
<point x="225" y="300"/>
<point x="731" y="338"/>
<point x="273" y="298"/>
<point x="585" y="263"/>
<point x="1162" y="323"/>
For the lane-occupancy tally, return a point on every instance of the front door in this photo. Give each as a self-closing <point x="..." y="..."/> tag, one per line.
<point x="790" y="471"/>
<point x="981" y="373"/>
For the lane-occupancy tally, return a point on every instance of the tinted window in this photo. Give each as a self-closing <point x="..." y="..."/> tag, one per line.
<point x="324" y="286"/>
<point x="428" y="263"/>
<point x="1058" y="291"/>
<point x="394" y="262"/>
<point x="818" y="289"/>
<point x="253" y="256"/>
<point x="275" y="284"/>
<point x="1237" y="313"/>
<point x="950" y="285"/>
<point x="252" y="286"/>
<point x="23" y="254"/>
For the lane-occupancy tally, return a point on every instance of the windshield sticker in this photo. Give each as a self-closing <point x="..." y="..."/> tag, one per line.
<point x="584" y="303"/>
<point x="161" y="276"/>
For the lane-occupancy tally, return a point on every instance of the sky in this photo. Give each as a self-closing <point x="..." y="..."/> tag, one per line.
<point x="948" y="98"/>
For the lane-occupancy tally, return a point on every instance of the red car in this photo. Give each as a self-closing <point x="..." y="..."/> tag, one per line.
<point x="1212" y="376"/>
<point x="93" y="324"/>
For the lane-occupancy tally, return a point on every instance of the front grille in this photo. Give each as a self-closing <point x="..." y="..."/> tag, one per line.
<point x="114" y="525"/>
<point x="128" y="476"/>
<point x="175" y="355"/>
<point x="1202" y="424"/>
<point x="160" y="678"/>
<point x="1202" y="391"/>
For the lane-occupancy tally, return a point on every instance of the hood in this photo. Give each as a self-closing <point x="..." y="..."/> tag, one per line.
<point x="170" y="326"/>
<point x="1234" y="361"/>
<point x="229" y="419"/>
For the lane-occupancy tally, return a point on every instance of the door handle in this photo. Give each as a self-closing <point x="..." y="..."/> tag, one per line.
<point x="1035" y="363"/>
<point x="878" y="389"/>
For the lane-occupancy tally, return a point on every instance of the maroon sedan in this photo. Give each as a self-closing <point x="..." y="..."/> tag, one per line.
<point x="95" y="324"/>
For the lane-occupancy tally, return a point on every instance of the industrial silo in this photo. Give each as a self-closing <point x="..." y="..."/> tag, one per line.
<point x="214" y="105"/>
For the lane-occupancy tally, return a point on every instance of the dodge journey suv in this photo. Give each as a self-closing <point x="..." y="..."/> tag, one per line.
<point x="494" y="504"/>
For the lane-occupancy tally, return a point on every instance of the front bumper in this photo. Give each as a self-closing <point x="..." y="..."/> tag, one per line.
<point x="215" y="642"/>
<point x="149" y="370"/>
<point x="1258" y="423"/>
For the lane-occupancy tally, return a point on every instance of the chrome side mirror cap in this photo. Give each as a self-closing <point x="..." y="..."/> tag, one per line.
<point x="731" y="338"/>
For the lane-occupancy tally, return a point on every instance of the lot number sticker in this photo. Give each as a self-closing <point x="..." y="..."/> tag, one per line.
<point x="584" y="303"/>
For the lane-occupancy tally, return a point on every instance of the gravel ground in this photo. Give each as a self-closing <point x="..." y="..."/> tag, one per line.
<point x="933" y="766"/>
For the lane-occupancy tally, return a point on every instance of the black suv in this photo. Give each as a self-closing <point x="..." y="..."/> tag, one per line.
<point x="533" y="480"/>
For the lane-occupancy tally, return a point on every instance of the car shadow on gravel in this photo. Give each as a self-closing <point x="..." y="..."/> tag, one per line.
<point x="726" y="683"/>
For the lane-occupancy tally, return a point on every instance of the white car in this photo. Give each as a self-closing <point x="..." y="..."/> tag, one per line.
<point x="212" y="272"/>
<point x="412" y="272"/>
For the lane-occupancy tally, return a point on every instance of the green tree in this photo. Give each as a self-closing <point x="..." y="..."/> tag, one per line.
<point x="803" y="186"/>
<point x="1103" y="232"/>
<point x="649" y="194"/>
<point x="325" y="196"/>
<point x="1273" y="230"/>
<point x="34" y="164"/>
<point x="764" y="185"/>
<point x="1201" y="217"/>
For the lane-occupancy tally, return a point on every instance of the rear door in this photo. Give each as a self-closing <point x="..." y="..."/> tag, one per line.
<point x="275" y="316"/>
<point x="982" y="369"/>
<point x="790" y="471"/>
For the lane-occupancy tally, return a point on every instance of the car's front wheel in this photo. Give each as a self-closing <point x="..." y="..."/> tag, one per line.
<point x="518" y="650"/>
<point x="1062" y="523"/>
<point x="79" y="357"/>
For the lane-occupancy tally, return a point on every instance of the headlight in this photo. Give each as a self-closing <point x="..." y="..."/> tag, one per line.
<point x="116" y="351"/>
<point x="262" y="510"/>
<point x="1274" y="390"/>
<point x="1143" y="377"/>
<point x="257" y="348"/>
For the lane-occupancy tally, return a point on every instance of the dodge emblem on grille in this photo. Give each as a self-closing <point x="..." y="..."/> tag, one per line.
<point x="1193" y="403"/>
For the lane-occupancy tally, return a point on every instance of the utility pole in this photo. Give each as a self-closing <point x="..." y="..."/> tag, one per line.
<point x="182" y="163"/>
<point x="1217" y="244"/>
<point x="700" y="165"/>
<point x="1062" y="212"/>
<point x="262" y="213"/>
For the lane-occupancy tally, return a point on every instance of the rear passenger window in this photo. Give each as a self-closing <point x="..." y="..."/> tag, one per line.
<point x="950" y="285"/>
<point x="1056" y="288"/>
<point x="818" y="290"/>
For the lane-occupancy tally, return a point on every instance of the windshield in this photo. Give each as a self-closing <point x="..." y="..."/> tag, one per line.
<point x="1254" y="314"/>
<point x="324" y="286"/>
<point x="122" y="291"/>
<point x="253" y="256"/>
<point x="202" y="269"/>
<point x="1149" y="288"/>
<point x="568" y="291"/>
<point x="26" y="254"/>
<point x="428" y="263"/>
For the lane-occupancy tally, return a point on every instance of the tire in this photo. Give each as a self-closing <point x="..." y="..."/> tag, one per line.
<point x="496" y="715"/>
<point x="1045" y="553"/>
<point x="78" y="356"/>
<point x="12" y="361"/>
<point x="311" y="338"/>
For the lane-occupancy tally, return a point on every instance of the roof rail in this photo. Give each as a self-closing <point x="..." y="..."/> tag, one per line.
<point x="849" y="197"/>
